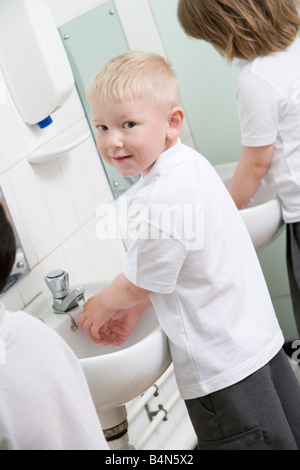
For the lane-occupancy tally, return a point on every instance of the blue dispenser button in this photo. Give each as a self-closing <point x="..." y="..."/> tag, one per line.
<point x="45" y="122"/>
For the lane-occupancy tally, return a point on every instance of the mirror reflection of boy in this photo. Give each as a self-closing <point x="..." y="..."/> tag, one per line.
<point x="45" y="400"/>
<point x="205" y="285"/>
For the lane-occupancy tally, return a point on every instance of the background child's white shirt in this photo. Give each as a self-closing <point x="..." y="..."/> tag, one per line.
<point x="45" y="400"/>
<point x="268" y="97"/>
<point x="212" y="300"/>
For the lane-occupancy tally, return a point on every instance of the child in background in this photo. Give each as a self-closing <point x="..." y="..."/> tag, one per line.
<point x="45" y="400"/>
<point x="263" y="34"/>
<point x="190" y="254"/>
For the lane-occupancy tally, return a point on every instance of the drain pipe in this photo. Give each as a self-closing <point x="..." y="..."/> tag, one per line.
<point x="115" y="428"/>
<point x="135" y="408"/>
<point x="160" y="415"/>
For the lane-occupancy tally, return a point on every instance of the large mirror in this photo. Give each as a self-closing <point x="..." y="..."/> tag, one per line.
<point x="90" y="41"/>
<point x="21" y="266"/>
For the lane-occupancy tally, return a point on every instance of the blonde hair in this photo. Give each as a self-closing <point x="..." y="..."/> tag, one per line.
<point x="136" y="75"/>
<point x="244" y="29"/>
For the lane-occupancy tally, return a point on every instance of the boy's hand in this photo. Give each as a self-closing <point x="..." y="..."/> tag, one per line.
<point x="117" y="329"/>
<point x="109" y="326"/>
<point x="94" y="315"/>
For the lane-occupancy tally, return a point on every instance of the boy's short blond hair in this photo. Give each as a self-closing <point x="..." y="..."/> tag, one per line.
<point x="243" y="29"/>
<point x="136" y="75"/>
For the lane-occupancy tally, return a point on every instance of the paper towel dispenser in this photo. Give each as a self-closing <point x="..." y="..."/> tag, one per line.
<point x="33" y="60"/>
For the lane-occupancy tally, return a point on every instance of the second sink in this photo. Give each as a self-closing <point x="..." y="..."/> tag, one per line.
<point x="263" y="217"/>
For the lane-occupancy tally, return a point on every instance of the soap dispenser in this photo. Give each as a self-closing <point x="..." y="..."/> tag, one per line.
<point x="33" y="60"/>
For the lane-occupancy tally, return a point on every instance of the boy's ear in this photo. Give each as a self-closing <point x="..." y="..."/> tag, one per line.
<point x="175" y="120"/>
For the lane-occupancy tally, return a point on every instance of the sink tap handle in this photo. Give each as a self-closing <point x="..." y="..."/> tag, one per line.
<point x="58" y="283"/>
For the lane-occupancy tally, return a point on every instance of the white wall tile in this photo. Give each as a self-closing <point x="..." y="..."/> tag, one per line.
<point x="32" y="285"/>
<point x="56" y="260"/>
<point x="78" y="185"/>
<point x="33" y="208"/>
<point x="80" y="261"/>
<point x="94" y="169"/>
<point x="108" y="262"/>
<point x="12" y="299"/>
<point x="57" y="199"/>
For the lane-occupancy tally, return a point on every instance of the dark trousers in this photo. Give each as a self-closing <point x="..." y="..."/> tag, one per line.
<point x="293" y="267"/>
<point x="262" y="412"/>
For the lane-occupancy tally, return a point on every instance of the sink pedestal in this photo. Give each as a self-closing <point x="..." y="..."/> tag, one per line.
<point x="115" y="427"/>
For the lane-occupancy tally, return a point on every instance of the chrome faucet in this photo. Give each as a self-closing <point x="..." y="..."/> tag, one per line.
<point x="63" y="299"/>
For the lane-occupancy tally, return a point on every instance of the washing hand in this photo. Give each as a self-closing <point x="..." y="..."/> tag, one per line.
<point x="94" y="316"/>
<point x="106" y="326"/>
<point x="117" y="329"/>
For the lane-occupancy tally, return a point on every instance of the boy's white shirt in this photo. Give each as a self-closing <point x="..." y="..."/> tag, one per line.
<point x="210" y="297"/>
<point x="45" y="400"/>
<point x="268" y="98"/>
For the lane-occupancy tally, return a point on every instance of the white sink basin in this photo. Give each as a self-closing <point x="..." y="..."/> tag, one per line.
<point x="115" y="374"/>
<point x="263" y="216"/>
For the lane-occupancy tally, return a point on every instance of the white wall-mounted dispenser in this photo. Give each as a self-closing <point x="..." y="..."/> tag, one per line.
<point x="33" y="60"/>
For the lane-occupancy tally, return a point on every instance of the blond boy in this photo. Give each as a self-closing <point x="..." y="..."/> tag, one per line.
<point x="205" y="283"/>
